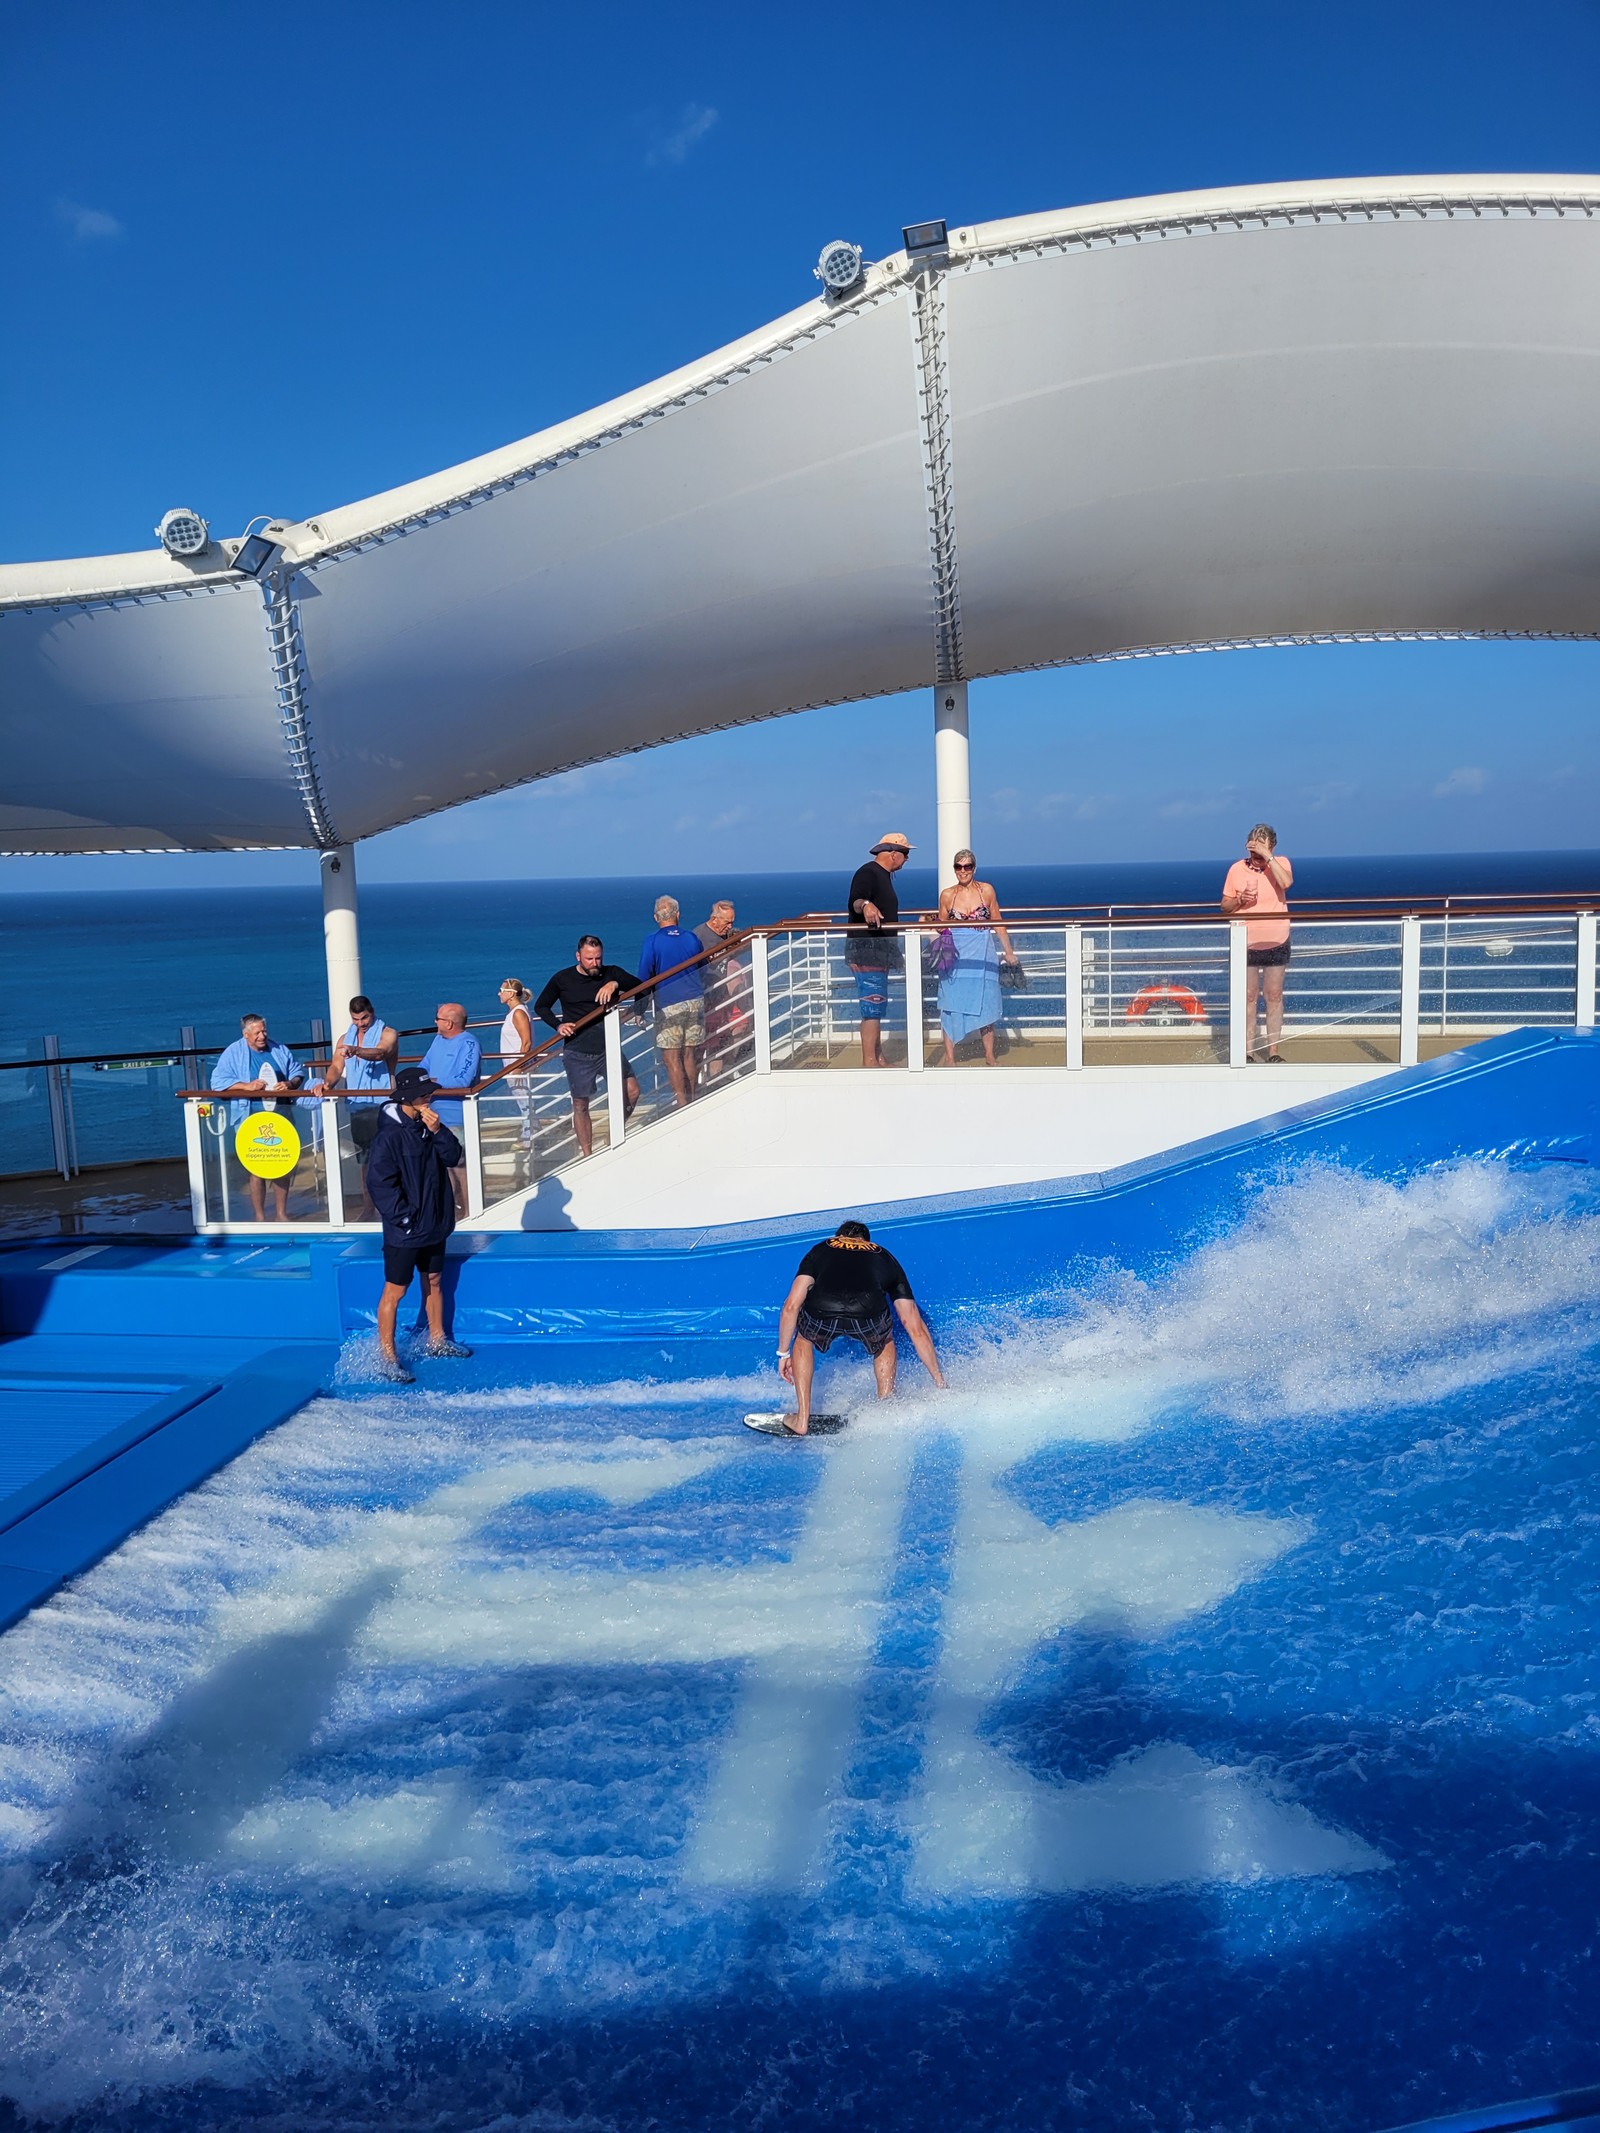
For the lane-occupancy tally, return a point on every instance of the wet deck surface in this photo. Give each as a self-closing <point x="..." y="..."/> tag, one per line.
<point x="138" y="1199"/>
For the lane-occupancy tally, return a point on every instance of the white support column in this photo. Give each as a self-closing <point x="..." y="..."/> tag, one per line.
<point x="341" y="934"/>
<point x="761" y="1002"/>
<point x="616" y="1073"/>
<point x="1074" y="982"/>
<point x="1586" y="955"/>
<point x="912" y="943"/>
<point x="1238" y="995"/>
<point x="952" y="775"/>
<point x="1410" y="988"/>
<point x="472" y="1148"/>
<point x="332" y="1168"/>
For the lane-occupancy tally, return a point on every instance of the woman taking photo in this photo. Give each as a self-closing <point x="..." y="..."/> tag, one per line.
<point x="969" y="992"/>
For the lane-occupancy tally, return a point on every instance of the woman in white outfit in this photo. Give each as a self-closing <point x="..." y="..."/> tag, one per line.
<point x="516" y="1042"/>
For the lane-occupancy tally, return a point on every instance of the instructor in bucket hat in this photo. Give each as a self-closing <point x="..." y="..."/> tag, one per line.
<point x="872" y="947"/>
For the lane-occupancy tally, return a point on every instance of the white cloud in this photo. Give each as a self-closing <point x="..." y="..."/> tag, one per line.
<point x="673" y="144"/>
<point x="87" y="223"/>
<point x="1468" y="778"/>
<point x="1217" y="803"/>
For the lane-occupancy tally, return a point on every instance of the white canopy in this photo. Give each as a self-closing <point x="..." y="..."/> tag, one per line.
<point x="1360" y="408"/>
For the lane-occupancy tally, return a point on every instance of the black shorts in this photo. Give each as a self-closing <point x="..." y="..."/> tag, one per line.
<point x="874" y="1334"/>
<point x="1273" y="958"/>
<point x="401" y="1261"/>
<point x="585" y="1071"/>
<point x="365" y="1119"/>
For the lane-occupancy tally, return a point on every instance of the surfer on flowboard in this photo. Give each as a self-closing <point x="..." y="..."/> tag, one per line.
<point x="852" y="1289"/>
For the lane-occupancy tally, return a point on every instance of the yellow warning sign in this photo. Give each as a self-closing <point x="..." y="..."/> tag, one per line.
<point x="267" y="1144"/>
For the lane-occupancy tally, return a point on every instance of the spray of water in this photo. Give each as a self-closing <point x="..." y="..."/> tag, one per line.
<point x="236" y="1841"/>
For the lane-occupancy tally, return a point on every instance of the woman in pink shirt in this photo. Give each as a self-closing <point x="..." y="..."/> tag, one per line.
<point x="1259" y="883"/>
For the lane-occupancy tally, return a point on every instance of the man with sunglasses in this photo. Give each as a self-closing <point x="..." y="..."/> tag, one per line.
<point x="872" y="946"/>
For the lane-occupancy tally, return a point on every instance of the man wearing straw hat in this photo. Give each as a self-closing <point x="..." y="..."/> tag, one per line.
<point x="872" y="948"/>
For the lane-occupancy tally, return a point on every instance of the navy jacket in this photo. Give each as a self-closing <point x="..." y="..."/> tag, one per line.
<point x="408" y="1176"/>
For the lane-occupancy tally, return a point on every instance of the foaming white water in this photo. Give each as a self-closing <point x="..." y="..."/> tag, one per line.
<point x="1338" y="1292"/>
<point x="241" y="1787"/>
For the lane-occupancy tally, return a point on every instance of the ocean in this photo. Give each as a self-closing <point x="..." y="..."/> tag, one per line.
<point x="125" y="970"/>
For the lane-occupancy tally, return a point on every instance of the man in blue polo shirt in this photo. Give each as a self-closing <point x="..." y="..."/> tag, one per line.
<point x="452" y="1062"/>
<point x="258" y="1071"/>
<point x="680" y="1002"/>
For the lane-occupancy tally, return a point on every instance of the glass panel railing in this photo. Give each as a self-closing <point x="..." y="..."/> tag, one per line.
<point x="25" y="1137"/>
<point x="820" y="998"/>
<point x="1155" y="995"/>
<point x="1483" y="975"/>
<point x="294" y="1187"/>
<point x="1341" y="994"/>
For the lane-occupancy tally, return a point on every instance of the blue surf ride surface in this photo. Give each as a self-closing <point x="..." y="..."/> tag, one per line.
<point x="1190" y="1719"/>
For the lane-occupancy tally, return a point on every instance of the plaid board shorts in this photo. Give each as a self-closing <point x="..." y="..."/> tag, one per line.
<point x="874" y="1334"/>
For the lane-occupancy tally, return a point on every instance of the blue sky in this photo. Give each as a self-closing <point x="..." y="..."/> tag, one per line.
<point x="270" y="264"/>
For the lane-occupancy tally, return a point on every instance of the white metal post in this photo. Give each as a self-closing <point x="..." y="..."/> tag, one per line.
<point x="761" y="1002"/>
<point x="1074" y="983"/>
<point x="194" y="1147"/>
<point x="1239" y="1002"/>
<point x="912" y="943"/>
<point x="1586" y="956"/>
<point x="952" y="775"/>
<point x="472" y="1144"/>
<point x="333" y="1170"/>
<point x="1410" y="988"/>
<point x="616" y="1069"/>
<point x="341" y="934"/>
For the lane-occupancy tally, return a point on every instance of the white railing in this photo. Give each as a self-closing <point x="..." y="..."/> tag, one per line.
<point x="1094" y="993"/>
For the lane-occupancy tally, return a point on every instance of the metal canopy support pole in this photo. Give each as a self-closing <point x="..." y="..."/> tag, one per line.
<point x="1238" y="996"/>
<point x="1586" y="955"/>
<point x="1074" y="981"/>
<point x="616" y="1071"/>
<point x="341" y="933"/>
<point x="952" y="774"/>
<point x="761" y="1002"/>
<point x="1410" y="988"/>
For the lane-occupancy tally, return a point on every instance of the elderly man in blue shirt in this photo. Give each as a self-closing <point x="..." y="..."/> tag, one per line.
<point x="452" y="1062"/>
<point x="256" y="1070"/>
<point x="680" y="1002"/>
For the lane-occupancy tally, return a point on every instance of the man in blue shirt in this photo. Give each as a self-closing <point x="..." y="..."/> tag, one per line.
<point x="256" y="1070"/>
<point x="680" y="1002"/>
<point x="364" y="1058"/>
<point x="452" y="1062"/>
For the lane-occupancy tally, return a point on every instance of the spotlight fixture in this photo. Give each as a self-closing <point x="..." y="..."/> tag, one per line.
<point x="926" y="240"/>
<point x="253" y="554"/>
<point x="839" y="268"/>
<point x="184" y="533"/>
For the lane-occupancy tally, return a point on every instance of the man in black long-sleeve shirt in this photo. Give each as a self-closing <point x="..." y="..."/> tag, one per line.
<point x="589" y="983"/>
<point x="872" y="948"/>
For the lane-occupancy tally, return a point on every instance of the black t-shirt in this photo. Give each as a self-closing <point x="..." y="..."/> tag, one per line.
<point x="873" y="884"/>
<point x="853" y="1278"/>
<point x="576" y="990"/>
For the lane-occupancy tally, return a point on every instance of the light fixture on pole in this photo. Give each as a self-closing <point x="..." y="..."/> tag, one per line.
<point x="254" y="553"/>
<point x="927" y="243"/>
